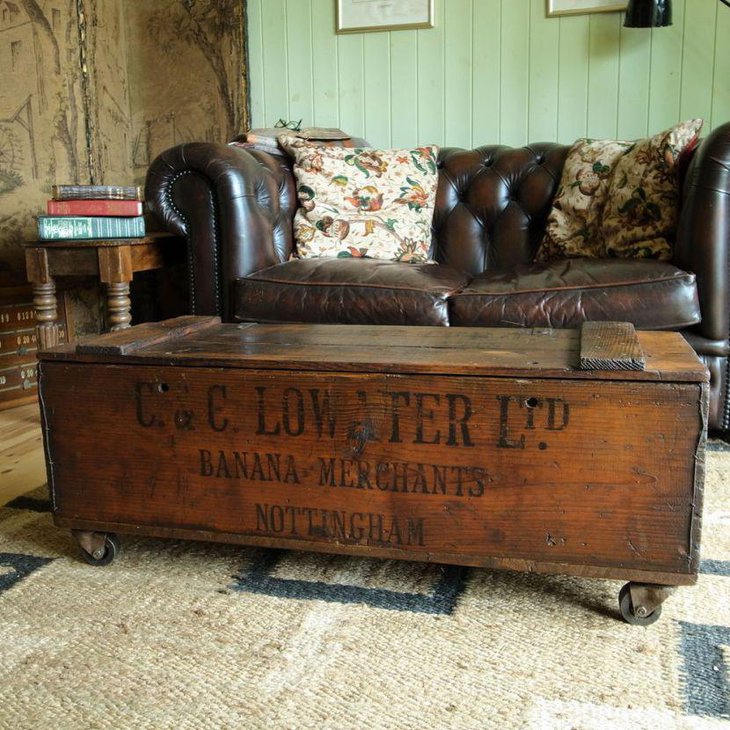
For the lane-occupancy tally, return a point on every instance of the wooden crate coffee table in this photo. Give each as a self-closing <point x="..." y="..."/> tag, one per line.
<point x="480" y="447"/>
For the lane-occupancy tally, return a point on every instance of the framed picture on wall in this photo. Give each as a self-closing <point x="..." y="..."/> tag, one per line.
<point x="578" y="7"/>
<point x="358" y="16"/>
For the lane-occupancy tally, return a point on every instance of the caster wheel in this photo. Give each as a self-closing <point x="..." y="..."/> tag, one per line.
<point x="107" y="554"/>
<point x="627" y="610"/>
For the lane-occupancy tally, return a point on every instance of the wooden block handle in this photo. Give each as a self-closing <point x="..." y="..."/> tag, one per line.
<point x="610" y="346"/>
<point x="127" y="341"/>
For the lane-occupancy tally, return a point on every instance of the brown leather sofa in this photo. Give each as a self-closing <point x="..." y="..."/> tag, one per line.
<point x="235" y="207"/>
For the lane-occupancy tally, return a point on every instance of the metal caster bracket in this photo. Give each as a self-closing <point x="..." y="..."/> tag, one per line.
<point x="641" y="603"/>
<point x="97" y="548"/>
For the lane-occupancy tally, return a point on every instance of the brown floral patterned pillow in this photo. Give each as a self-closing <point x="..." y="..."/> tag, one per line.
<point x="640" y="217"/>
<point x="619" y="199"/>
<point x="574" y="221"/>
<point x="363" y="202"/>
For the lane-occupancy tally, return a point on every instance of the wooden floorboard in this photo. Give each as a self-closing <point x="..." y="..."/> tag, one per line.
<point x="22" y="466"/>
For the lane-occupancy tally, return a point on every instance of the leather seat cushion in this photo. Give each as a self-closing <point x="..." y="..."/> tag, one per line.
<point x="651" y="294"/>
<point x="348" y="291"/>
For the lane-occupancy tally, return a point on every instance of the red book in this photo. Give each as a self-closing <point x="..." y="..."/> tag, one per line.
<point x="95" y="207"/>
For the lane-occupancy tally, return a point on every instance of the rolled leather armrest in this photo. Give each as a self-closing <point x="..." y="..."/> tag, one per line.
<point x="235" y="208"/>
<point x="703" y="234"/>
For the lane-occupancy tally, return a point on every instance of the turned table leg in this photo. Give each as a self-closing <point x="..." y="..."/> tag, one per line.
<point x="115" y="270"/>
<point x="45" y="304"/>
<point x="118" y="305"/>
<point x="46" y="314"/>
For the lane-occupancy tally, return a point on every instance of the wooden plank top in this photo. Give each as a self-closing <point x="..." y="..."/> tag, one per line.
<point x="127" y="341"/>
<point x="536" y="352"/>
<point x="610" y="346"/>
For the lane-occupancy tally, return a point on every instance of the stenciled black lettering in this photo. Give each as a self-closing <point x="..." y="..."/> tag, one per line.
<point x="531" y="405"/>
<point x="346" y="478"/>
<point x="365" y="528"/>
<point x="419" y="483"/>
<point x="459" y="471"/>
<point x="505" y="442"/>
<point x="460" y="412"/>
<point x="439" y="479"/>
<point x="357" y="531"/>
<point x="338" y="525"/>
<point x="400" y="476"/>
<point x="262" y="430"/>
<point x="415" y="531"/>
<point x="382" y="476"/>
<point x="273" y="463"/>
<point x="257" y="471"/>
<point x="479" y="476"/>
<point x="214" y="409"/>
<point x="426" y="414"/>
<point x="406" y="477"/>
<point x="262" y="517"/>
<point x="309" y="512"/>
<point x="375" y="528"/>
<point x="395" y="399"/>
<point x="241" y="463"/>
<point x="249" y="465"/>
<point x="223" y="470"/>
<point x="327" y="472"/>
<point x="363" y="475"/>
<point x="276" y="518"/>
<point x="293" y="412"/>
<point x="291" y="476"/>
<point x="322" y="410"/>
<point x="394" y="533"/>
<point x="552" y="423"/>
<point x="206" y="463"/>
<point x="292" y="513"/>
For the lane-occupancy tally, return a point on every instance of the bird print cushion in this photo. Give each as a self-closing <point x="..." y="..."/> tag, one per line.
<point x="574" y="222"/>
<point x="619" y="199"/>
<point x="640" y="217"/>
<point x="363" y="202"/>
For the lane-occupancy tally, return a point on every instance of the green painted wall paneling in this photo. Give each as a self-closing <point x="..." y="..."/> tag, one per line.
<point x="491" y="71"/>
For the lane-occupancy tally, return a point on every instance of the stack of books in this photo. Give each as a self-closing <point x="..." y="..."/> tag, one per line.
<point x="92" y="211"/>
<point x="267" y="139"/>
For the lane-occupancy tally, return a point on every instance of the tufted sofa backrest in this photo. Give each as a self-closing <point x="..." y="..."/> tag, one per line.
<point x="492" y="204"/>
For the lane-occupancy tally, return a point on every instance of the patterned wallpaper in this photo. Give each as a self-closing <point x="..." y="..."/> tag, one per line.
<point x="93" y="90"/>
<point x="42" y="129"/>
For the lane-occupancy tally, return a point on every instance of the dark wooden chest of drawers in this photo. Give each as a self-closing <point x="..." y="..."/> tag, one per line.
<point x="18" y="346"/>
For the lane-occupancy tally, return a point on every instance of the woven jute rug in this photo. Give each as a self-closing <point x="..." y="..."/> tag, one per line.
<point x="192" y="635"/>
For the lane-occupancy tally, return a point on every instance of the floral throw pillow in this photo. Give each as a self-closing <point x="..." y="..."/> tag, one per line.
<point x="640" y="217"/>
<point x="619" y="199"/>
<point x="363" y="202"/>
<point x="573" y="226"/>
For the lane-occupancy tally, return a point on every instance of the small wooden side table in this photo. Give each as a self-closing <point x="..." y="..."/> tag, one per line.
<point x="113" y="261"/>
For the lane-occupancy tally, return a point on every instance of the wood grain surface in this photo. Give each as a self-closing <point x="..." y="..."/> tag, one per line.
<point x="594" y="476"/>
<point x="533" y="352"/>
<point x="610" y="346"/>
<point x="21" y="451"/>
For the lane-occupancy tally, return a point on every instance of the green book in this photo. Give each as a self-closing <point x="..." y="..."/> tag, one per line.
<point x="55" y="228"/>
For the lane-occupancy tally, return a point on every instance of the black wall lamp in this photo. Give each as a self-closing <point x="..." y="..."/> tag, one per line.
<point x="651" y="13"/>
